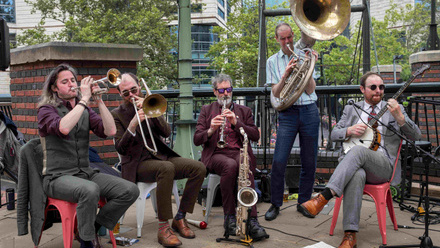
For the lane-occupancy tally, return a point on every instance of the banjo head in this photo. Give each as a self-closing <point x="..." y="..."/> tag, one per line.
<point x="366" y="140"/>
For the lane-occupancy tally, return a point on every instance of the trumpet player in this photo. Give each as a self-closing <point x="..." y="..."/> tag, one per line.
<point x="64" y="122"/>
<point x="140" y="164"/>
<point x="224" y="118"/>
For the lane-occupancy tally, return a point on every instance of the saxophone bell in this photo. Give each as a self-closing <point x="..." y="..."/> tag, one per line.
<point x="247" y="197"/>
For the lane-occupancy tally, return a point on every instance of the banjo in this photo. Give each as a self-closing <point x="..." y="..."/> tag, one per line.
<point x="371" y="138"/>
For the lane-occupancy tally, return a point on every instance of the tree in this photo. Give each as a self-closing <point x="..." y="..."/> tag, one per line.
<point x="141" y="22"/>
<point x="237" y="51"/>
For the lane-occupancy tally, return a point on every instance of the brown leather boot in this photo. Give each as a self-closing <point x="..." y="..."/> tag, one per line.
<point x="312" y="207"/>
<point x="349" y="240"/>
<point x="181" y="226"/>
<point x="167" y="238"/>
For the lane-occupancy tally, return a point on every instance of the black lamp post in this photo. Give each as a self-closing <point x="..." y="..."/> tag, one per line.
<point x="395" y="57"/>
<point x="433" y="40"/>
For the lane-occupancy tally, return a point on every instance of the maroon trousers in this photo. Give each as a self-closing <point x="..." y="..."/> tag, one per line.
<point x="226" y="163"/>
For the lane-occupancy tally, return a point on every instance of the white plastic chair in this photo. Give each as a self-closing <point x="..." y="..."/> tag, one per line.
<point x="213" y="184"/>
<point x="144" y="189"/>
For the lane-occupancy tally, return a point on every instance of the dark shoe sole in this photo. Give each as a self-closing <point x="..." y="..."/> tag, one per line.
<point x="258" y="238"/>
<point x="169" y="245"/>
<point x="304" y="212"/>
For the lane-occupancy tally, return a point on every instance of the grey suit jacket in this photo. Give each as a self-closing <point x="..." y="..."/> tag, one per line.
<point x="391" y="140"/>
<point x="30" y="194"/>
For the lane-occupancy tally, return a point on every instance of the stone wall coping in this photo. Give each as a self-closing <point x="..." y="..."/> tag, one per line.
<point x="424" y="56"/>
<point x="76" y="51"/>
<point x="387" y="68"/>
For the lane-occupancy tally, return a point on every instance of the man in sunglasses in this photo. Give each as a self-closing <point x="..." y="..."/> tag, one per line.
<point x="141" y="165"/>
<point x="362" y="165"/>
<point x="225" y="161"/>
<point x="301" y="118"/>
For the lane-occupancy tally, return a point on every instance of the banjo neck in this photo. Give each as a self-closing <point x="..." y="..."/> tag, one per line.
<point x="398" y="93"/>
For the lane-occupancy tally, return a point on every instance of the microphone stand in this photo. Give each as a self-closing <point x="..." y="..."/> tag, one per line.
<point x="426" y="241"/>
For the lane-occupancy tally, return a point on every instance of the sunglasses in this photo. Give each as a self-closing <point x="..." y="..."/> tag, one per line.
<point x="133" y="90"/>
<point x="374" y="87"/>
<point x="222" y="91"/>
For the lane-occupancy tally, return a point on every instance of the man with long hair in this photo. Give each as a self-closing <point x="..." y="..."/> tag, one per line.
<point x="64" y="123"/>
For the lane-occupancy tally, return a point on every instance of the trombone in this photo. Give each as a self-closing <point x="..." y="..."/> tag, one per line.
<point x="154" y="105"/>
<point x="113" y="78"/>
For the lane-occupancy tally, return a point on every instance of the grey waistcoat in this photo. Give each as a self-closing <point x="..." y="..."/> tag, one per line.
<point x="67" y="156"/>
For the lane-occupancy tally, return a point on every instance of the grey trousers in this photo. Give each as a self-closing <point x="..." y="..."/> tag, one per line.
<point x="86" y="191"/>
<point x="360" y="165"/>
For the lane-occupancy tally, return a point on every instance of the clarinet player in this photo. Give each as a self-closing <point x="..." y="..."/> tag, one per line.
<point x="214" y="122"/>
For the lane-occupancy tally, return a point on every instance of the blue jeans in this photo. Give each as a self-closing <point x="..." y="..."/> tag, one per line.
<point x="302" y="119"/>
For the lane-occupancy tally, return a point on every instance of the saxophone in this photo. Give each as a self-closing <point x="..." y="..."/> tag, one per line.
<point x="246" y="196"/>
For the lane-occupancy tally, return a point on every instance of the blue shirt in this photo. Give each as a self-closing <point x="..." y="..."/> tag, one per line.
<point x="275" y="67"/>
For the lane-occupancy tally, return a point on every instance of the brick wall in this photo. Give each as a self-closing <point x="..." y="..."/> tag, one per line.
<point x="27" y="80"/>
<point x="428" y="115"/>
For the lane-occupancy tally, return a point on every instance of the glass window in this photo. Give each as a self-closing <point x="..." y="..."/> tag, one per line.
<point x="221" y="2"/>
<point x="221" y="13"/>
<point x="7" y="10"/>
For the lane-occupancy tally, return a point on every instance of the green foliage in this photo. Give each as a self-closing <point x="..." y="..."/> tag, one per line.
<point x="403" y="31"/>
<point x="34" y="36"/>
<point x="141" y="22"/>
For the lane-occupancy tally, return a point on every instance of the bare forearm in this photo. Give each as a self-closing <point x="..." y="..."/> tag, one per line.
<point x="277" y="88"/>
<point x="68" y="122"/>
<point x="311" y="86"/>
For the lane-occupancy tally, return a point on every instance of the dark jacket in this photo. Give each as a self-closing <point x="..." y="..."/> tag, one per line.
<point x="30" y="194"/>
<point x="132" y="148"/>
<point x="245" y="119"/>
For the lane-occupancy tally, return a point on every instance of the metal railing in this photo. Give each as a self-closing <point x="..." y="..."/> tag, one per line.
<point x="331" y="101"/>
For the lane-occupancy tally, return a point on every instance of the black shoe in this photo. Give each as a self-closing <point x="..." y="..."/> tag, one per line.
<point x="272" y="213"/>
<point x="230" y="225"/>
<point x="256" y="231"/>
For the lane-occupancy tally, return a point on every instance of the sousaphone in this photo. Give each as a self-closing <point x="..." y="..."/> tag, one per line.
<point x="317" y="20"/>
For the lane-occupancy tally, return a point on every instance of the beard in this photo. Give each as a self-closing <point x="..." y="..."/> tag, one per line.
<point x="375" y="99"/>
<point x="227" y="99"/>
<point x="67" y="97"/>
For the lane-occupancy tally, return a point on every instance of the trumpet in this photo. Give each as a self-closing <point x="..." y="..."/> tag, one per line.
<point x="113" y="77"/>
<point x="154" y="105"/>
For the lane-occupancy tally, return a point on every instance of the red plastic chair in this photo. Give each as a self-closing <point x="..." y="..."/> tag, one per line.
<point x="381" y="195"/>
<point x="68" y="219"/>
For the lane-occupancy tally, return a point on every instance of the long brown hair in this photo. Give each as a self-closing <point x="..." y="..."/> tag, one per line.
<point x="49" y="96"/>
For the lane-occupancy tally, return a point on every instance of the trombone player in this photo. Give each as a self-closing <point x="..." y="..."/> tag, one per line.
<point x="141" y="164"/>
<point x="64" y="123"/>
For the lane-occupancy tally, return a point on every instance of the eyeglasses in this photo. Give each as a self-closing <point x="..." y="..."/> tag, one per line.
<point x="222" y="91"/>
<point x="373" y="87"/>
<point x="133" y="90"/>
